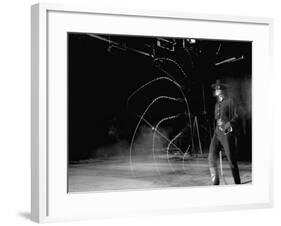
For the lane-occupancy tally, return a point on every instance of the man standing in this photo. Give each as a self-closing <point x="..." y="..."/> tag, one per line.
<point x="226" y="123"/>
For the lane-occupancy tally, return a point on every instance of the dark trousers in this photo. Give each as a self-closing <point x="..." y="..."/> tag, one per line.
<point x="226" y="142"/>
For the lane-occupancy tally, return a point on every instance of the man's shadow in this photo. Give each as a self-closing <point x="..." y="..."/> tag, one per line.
<point x="247" y="182"/>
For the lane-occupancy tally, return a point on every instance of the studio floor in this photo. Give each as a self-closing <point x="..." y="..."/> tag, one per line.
<point x="119" y="174"/>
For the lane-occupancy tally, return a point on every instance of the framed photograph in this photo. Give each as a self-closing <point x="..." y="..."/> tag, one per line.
<point x="141" y="112"/>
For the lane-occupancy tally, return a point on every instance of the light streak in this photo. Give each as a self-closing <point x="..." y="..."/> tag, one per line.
<point x="118" y="45"/>
<point x="153" y="137"/>
<point x="219" y="48"/>
<point x="150" y="82"/>
<point x="230" y="60"/>
<point x="187" y="108"/>
<point x="155" y="130"/>
<point x="168" y="147"/>
<point x="174" y="62"/>
<point x="161" y="134"/>
<point x="184" y="156"/>
<point x="141" y="118"/>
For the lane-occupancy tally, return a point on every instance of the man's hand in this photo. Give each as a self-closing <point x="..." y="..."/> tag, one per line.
<point x="227" y="128"/>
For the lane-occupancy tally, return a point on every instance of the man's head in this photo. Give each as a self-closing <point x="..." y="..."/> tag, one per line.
<point x="219" y="90"/>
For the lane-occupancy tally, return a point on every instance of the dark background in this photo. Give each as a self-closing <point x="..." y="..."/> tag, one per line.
<point x="102" y="76"/>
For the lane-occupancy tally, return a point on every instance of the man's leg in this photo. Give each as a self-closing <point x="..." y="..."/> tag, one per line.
<point x="229" y="147"/>
<point x="213" y="158"/>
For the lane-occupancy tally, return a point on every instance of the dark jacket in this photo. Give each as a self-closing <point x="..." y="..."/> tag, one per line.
<point x="226" y="110"/>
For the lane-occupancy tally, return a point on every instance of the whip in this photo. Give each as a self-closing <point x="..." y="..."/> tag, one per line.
<point x="222" y="168"/>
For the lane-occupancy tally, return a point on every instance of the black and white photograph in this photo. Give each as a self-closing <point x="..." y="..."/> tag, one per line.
<point x="147" y="112"/>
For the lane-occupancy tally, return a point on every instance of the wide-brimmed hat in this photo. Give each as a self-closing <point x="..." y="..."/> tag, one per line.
<point x="219" y="85"/>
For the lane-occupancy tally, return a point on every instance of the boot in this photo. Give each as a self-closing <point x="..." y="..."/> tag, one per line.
<point x="235" y="174"/>
<point x="214" y="175"/>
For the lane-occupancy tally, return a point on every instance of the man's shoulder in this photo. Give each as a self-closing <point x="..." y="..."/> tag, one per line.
<point x="228" y="101"/>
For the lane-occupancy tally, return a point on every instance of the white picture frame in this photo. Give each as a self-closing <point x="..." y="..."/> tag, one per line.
<point x="49" y="198"/>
